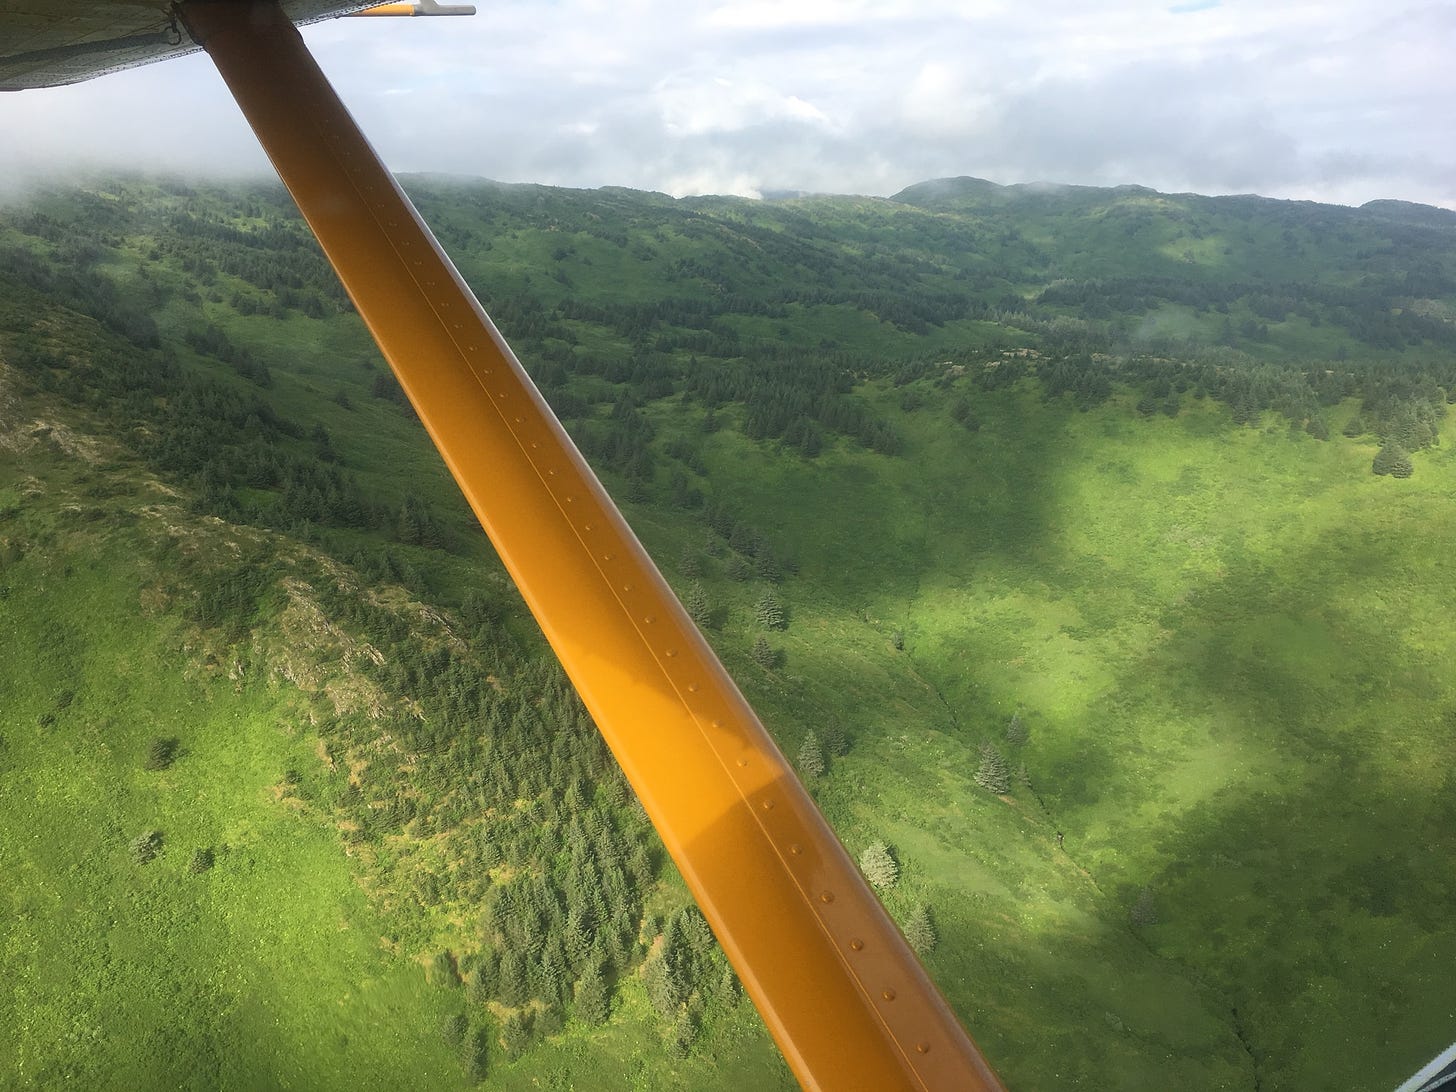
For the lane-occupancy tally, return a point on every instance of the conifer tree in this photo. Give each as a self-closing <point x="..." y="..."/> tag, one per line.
<point x="662" y="987"/>
<point x="766" y="565"/>
<point x="454" y="1029"/>
<point x="1392" y="459"/>
<point x="515" y="1033"/>
<point x="768" y="612"/>
<point x="691" y="563"/>
<point x="811" y="758"/>
<point x="684" y="1031"/>
<point x="1016" y="732"/>
<point x="592" y="1004"/>
<point x="764" y="654"/>
<point x="512" y="986"/>
<point x="161" y="752"/>
<point x="475" y="1054"/>
<point x="920" y="930"/>
<point x="146" y="846"/>
<point x="836" y="742"/>
<point x="993" y="774"/>
<point x="879" y="865"/>
<point x="695" y="602"/>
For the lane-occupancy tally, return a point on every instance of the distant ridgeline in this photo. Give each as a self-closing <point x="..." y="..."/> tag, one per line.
<point x="616" y="298"/>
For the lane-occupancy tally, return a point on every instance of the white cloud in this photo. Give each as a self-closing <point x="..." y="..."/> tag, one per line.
<point x="1346" y="99"/>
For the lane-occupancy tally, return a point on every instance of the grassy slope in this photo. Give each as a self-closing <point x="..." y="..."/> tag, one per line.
<point x="281" y="966"/>
<point x="1228" y="645"/>
<point x="267" y="970"/>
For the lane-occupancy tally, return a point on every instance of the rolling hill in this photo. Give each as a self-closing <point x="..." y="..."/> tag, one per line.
<point x="1038" y="523"/>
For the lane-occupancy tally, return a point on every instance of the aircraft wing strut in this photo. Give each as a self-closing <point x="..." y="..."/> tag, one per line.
<point x="840" y="990"/>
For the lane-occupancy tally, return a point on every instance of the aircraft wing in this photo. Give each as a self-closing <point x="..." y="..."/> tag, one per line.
<point x="46" y="44"/>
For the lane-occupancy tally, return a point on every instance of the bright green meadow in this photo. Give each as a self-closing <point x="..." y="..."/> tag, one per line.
<point x="1078" y="483"/>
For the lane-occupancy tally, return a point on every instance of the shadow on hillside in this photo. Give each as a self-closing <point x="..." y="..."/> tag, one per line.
<point x="1310" y="883"/>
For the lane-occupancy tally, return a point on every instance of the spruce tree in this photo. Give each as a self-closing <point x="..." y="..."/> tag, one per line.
<point x="836" y="742"/>
<point x="695" y="602"/>
<point x="1392" y="459"/>
<point x="454" y="1029"/>
<point x="475" y="1054"/>
<point x="592" y="1004"/>
<point x="161" y="752"/>
<point x="768" y="613"/>
<point x="516" y="1033"/>
<point x="993" y="775"/>
<point x="766" y="565"/>
<point x="920" y="930"/>
<point x="512" y="987"/>
<point x="691" y="563"/>
<point x="146" y="846"/>
<point x="1016" y="732"/>
<point x="764" y="654"/>
<point x="879" y="865"/>
<point x="811" y="758"/>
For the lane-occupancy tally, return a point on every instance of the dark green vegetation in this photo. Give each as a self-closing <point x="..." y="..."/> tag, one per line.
<point x="1040" y="526"/>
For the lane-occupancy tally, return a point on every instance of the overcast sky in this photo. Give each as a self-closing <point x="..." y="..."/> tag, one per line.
<point x="1340" y="100"/>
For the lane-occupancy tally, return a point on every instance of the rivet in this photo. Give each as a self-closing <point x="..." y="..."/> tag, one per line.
<point x="584" y="526"/>
<point x="888" y="995"/>
<point x="692" y="688"/>
<point x="671" y="652"/>
<point x="922" y="1048"/>
<point x="649" y="619"/>
<point x="534" y="446"/>
<point x="718" y="724"/>
<point x="520" y="420"/>
<point x="768" y="805"/>
<point x="743" y="762"/>
<point x="827" y="896"/>
<point x="570" y="499"/>
<point x="608" y="557"/>
<point x="626" y="587"/>
<point x="796" y="849"/>
<point x="856" y="945"/>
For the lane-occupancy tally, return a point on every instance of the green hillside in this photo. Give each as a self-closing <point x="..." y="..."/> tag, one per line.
<point x="1040" y="525"/>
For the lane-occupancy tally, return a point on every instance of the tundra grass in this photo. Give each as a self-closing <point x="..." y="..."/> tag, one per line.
<point x="266" y="970"/>
<point x="274" y="967"/>
<point x="1231" y="651"/>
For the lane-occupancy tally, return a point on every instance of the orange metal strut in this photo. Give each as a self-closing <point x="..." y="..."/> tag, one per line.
<point x="838" y="987"/>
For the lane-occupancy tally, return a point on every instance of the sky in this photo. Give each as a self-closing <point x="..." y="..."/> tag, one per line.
<point x="1342" y="100"/>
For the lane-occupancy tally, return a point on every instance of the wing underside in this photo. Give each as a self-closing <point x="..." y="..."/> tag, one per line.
<point x="45" y="44"/>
